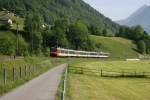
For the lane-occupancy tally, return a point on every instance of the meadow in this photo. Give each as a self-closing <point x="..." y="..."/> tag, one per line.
<point x="119" y="48"/>
<point x="88" y="87"/>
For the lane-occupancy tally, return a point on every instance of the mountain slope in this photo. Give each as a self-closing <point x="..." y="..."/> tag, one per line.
<point x="140" y="17"/>
<point x="117" y="47"/>
<point x="52" y="10"/>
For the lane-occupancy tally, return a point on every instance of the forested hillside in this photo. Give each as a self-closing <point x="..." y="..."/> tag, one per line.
<point x="43" y="24"/>
<point x="51" y="10"/>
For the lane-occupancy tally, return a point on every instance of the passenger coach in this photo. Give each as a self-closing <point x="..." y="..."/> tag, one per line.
<point x="60" y="52"/>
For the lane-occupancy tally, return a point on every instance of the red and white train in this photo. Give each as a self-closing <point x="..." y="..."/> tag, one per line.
<point x="60" y="52"/>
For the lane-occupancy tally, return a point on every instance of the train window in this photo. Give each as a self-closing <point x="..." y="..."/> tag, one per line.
<point x="62" y="51"/>
<point x="91" y="53"/>
<point x="71" y="52"/>
<point x="66" y="52"/>
<point x="85" y="53"/>
<point x="76" y="52"/>
<point x="53" y="49"/>
<point x="80" y="53"/>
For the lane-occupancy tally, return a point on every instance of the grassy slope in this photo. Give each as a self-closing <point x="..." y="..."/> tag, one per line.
<point x="84" y="87"/>
<point x="117" y="47"/>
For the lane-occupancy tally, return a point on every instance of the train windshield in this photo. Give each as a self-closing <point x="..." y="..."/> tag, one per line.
<point x="53" y="49"/>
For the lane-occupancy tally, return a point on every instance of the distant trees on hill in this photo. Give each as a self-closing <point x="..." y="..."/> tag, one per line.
<point x="138" y="35"/>
<point x="37" y="39"/>
<point x="141" y="46"/>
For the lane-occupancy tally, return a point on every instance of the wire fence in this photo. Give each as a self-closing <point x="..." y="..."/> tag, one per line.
<point x="106" y="73"/>
<point x="64" y="85"/>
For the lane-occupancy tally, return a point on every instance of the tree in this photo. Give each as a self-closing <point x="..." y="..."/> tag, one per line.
<point x="33" y="27"/>
<point x="7" y="44"/>
<point x="137" y="33"/>
<point x="56" y="35"/>
<point x="122" y="32"/>
<point x="63" y="24"/>
<point x="147" y="43"/>
<point x="141" y="46"/>
<point x="22" y="46"/>
<point x="95" y="30"/>
<point x="33" y="23"/>
<point x="78" y="35"/>
<point x="58" y="38"/>
<point x="107" y="33"/>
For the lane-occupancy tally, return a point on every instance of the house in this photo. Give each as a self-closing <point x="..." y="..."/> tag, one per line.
<point x="6" y="21"/>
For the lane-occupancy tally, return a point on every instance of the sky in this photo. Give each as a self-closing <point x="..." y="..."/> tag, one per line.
<point x="117" y="9"/>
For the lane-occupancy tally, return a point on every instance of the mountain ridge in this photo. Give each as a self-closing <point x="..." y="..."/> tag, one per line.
<point x="139" y="17"/>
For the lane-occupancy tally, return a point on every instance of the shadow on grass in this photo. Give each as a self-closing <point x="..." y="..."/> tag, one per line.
<point x="126" y="76"/>
<point x="114" y="76"/>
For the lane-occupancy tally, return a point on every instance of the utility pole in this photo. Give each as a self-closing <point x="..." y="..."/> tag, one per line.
<point x="32" y="43"/>
<point x="17" y="40"/>
<point x="17" y="32"/>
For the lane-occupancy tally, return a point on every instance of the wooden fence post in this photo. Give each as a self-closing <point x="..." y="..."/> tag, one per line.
<point x="143" y="74"/>
<point x="123" y="73"/>
<point x="135" y="73"/>
<point x="28" y="70"/>
<point x="33" y="68"/>
<point x="68" y="68"/>
<point x="4" y="75"/>
<point x="101" y="72"/>
<point x="20" y="71"/>
<point x="25" y="70"/>
<point x="13" y="74"/>
<point x="82" y="71"/>
<point x="38" y="67"/>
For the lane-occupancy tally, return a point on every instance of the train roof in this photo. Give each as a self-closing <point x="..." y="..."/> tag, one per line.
<point x="82" y="51"/>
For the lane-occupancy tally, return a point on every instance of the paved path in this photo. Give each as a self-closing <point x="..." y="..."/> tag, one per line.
<point x="43" y="87"/>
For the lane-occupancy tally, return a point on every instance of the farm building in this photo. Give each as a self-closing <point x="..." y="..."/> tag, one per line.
<point x="6" y="21"/>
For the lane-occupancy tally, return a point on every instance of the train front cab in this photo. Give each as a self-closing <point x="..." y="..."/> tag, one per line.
<point x="53" y="52"/>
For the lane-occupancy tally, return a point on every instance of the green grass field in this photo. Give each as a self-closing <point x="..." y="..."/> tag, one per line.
<point x="116" y="46"/>
<point x="143" y="65"/>
<point x="88" y="87"/>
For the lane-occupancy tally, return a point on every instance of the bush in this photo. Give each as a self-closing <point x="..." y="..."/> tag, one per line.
<point x="107" y="33"/>
<point x="46" y="51"/>
<point x="141" y="46"/>
<point x="5" y="27"/>
<point x="7" y="43"/>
